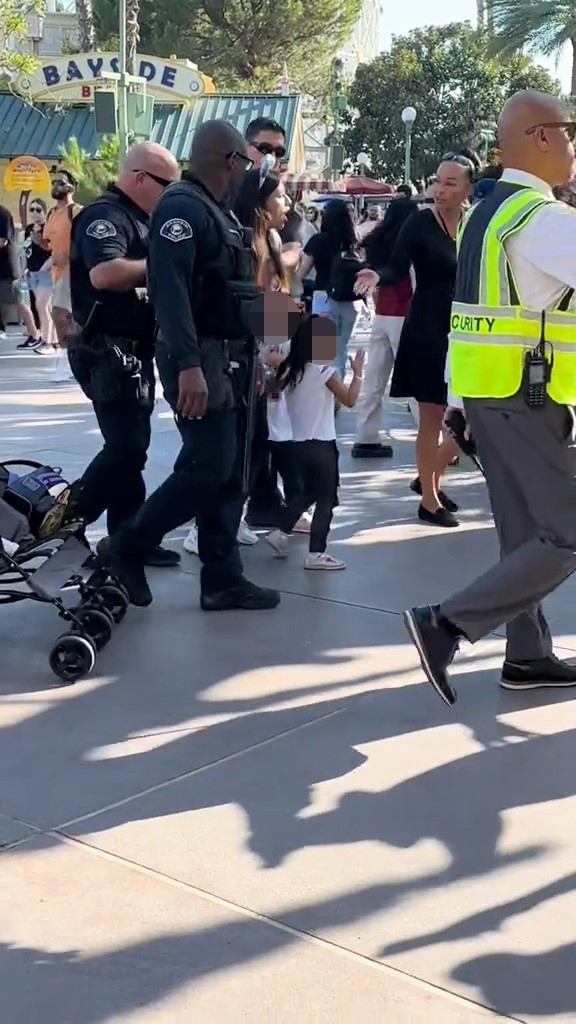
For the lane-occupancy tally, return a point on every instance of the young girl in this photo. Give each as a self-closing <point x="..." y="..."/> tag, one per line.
<point x="311" y="388"/>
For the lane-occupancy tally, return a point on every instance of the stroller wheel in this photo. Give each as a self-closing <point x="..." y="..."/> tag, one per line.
<point x="114" y="601"/>
<point x="71" y="658"/>
<point x="96" y="623"/>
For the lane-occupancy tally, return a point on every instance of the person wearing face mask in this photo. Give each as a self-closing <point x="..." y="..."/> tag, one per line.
<point x="513" y="361"/>
<point x="112" y="352"/>
<point x="201" y="284"/>
<point x="57" y="233"/>
<point x="427" y="242"/>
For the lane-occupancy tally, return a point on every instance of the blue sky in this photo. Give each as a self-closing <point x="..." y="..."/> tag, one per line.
<point x="401" y="16"/>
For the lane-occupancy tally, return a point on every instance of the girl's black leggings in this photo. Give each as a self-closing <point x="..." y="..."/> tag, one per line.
<point x="316" y="465"/>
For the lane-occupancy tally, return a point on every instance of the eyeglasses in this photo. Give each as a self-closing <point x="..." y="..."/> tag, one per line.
<point x="164" y="182"/>
<point x="36" y="209"/>
<point x="568" y="127"/>
<point x="235" y="155"/>
<point x="267" y="150"/>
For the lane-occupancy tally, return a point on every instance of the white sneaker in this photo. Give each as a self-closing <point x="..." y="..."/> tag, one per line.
<point x="191" y="542"/>
<point x="245" y="535"/>
<point x="304" y="524"/>
<point x="62" y="372"/>
<point x="322" y="560"/>
<point x="3" y="336"/>
<point x="278" y="541"/>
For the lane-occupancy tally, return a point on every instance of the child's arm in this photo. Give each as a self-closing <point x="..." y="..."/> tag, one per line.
<point x="348" y="394"/>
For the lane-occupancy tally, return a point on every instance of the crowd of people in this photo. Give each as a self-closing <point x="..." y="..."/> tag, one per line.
<point x="249" y="308"/>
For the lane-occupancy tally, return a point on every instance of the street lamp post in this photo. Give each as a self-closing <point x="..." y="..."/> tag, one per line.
<point x="408" y="117"/>
<point x="362" y="160"/>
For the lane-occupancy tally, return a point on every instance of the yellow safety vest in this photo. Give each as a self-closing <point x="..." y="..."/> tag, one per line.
<point x="489" y="339"/>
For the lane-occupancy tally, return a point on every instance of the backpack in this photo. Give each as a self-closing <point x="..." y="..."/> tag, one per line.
<point x="73" y="210"/>
<point x="343" y="270"/>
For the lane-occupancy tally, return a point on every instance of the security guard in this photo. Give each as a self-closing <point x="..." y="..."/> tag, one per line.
<point x="200" y="275"/>
<point x="513" y="360"/>
<point x="115" y="326"/>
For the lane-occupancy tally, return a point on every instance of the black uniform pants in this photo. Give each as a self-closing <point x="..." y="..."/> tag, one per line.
<point x="114" y="482"/>
<point x="265" y="498"/>
<point x="203" y="486"/>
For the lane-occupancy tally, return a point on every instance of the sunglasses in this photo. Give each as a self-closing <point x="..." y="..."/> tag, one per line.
<point x="457" y="158"/>
<point x="568" y="127"/>
<point x="36" y="209"/>
<point x="164" y="182"/>
<point x="62" y="181"/>
<point x="245" y="160"/>
<point x="267" y="150"/>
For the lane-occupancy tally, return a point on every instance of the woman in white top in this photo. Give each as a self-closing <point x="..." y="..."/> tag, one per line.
<point x="311" y="387"/>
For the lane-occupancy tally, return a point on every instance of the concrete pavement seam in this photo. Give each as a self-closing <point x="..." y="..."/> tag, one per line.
<point x="193" y="771"/>
<point x="297" y="933"/>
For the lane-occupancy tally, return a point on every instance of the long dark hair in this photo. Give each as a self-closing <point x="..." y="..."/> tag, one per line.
<point x="250" y="210"/>
<point x="381" y="241"/>
<point x="291" y="370"/>
<point x="338" y="225"/>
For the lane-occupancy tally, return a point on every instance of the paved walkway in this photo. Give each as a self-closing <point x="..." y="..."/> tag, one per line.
<point x="269" y="818"/>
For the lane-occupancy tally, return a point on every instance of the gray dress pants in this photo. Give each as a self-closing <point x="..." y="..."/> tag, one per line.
<point x="529" y="459"/>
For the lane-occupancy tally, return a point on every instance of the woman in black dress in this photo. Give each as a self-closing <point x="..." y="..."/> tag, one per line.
<point x="427" y="242"/>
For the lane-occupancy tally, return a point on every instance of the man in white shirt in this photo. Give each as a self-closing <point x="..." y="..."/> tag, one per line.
<point x="517" y="255"/>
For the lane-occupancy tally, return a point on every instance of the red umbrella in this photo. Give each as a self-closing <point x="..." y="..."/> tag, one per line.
<point x="358" y="185"/>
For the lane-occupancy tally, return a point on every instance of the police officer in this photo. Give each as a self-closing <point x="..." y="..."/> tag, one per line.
<point x="200" y="274"/>
<point x="108" y="265"/>
<point x="513" y="360"/>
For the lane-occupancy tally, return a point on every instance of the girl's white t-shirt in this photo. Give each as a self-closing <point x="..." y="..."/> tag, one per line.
<point x="311" y="405"/>
<point x="279" y="424"/>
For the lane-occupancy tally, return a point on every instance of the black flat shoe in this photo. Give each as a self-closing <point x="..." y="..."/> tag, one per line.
<point x="436" y="646"/>
<point x="372" y="451"/>
<point x="442" y="518"/>
<point x="447" y="502"/>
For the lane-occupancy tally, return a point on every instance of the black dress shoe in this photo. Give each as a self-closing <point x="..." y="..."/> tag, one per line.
<point x="161" y="558"/>
<point x="244" y="595"/>
<point x="372" y="451"/>
<point x="441" y="517"/>
<point x="544" y="673"/>
<point x="129" y="571"/>
<point x="446" y="502"/>
<point x="436" y="646"/>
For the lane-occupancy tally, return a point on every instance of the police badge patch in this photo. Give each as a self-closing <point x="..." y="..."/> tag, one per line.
<point x="101" y="229"/>
<point x="176" y="230"/>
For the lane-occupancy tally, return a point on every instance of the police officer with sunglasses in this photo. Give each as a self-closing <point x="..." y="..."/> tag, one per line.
<point x="112" y="349"/>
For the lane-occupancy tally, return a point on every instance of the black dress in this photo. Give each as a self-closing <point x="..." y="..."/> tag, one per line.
<point x="420" y="364"/>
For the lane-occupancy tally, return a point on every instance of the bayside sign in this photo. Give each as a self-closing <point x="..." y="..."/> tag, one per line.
<point x="74" y="78"/>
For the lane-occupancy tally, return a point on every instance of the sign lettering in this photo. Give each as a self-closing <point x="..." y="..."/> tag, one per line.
<point x="171" y="81"/>
<point x="473" y="324"/>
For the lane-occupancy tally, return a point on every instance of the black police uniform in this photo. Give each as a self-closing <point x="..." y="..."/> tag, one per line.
<point x="109" y="228"/>
<point x="200" y="280"/>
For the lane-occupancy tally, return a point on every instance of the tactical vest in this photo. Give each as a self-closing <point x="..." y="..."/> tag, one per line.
<point x="223" y="299"/>
<point x="491" y="330"/>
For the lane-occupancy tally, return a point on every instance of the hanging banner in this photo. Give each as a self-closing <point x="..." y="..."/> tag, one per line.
<point x="27" y="174"/>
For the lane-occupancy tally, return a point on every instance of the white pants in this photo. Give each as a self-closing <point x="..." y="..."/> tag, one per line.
<point x="382" y="351"/>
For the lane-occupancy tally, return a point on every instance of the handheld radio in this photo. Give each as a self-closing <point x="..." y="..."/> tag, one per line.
<point x="537" y="370"/>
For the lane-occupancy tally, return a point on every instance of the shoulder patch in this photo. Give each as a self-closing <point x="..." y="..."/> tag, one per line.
<point x="101" y="229"/>
<point x="176" y="230"/>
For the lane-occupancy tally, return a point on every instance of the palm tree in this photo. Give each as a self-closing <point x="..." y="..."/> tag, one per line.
<point x="85" y="16"/>
<point x="132" y="34"/>
<point x="540" y="26"/>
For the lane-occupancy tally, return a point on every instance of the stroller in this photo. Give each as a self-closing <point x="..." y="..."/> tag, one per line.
<point x="52" y="557"/>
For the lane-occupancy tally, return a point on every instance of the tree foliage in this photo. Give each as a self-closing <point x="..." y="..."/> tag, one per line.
<point x="455" y="82"/>
<point x="92" y="175"/>
<point x="242" y="44"/>
<point x="14" y="15"/>
<point x="539" y="26"/>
